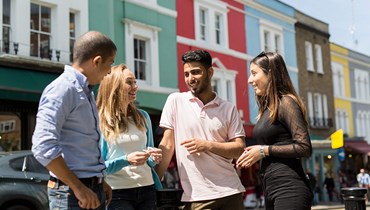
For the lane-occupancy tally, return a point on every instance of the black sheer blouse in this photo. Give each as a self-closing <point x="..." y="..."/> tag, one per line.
<point x="288" y="138"/>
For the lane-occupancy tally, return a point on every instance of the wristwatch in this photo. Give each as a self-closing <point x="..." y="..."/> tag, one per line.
<point x="262" y="151"/>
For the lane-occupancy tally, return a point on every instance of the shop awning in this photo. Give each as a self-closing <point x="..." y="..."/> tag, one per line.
<point x="361" y="147"/>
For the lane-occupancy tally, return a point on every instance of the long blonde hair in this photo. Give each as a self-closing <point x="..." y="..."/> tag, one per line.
<point x="114" y="107"/>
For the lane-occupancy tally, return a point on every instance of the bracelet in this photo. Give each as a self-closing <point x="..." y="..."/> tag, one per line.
<point x="262" y="151"/>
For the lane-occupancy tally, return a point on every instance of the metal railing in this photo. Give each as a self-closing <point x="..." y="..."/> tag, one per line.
<point x="13" y="48"/>
<point x="320" y="122"/>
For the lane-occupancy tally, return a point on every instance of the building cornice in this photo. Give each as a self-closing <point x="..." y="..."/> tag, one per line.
<point x="30" y="63"/>
<point x="253" y="4"/>
<point x="154" y="7"/>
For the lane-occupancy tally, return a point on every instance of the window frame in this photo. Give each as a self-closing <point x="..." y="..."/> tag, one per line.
<point x="7" y="123"/>
<point x="134" y="29"/>
<point x="40" y="32"/>
<point x="268" y="33"/>
<point x="319" y="60"/>
<point x="342" y="120"/>
<point x="309" y="56"/>
<point x="213" y="9"/>
<point x="338" y="79"/>
<point x="362" y="84"/>
<point x="225" y="79"/>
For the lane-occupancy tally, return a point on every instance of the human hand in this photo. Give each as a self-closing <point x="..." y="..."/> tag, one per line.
<point x="195" y="145"/>
<point x="156" y="154"/>
<point x="249" y="157"/>
<point x="108" y="193"/>
<point x="138" y="158"/>
<point x="87" y="199"/>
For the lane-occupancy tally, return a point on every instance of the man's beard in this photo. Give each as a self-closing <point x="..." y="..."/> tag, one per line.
<point x="201" y="88"/>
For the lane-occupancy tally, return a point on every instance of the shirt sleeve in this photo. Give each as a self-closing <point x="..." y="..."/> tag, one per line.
<point x="167" y="117"/>
<point x="236" y="125"/>
<point x="292" y="118"/>
<point x="51" y="116"/>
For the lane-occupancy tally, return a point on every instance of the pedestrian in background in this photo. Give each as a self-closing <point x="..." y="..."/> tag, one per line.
<point x="127" y="144"/>
<point x="281" y="133"/>
<point x="363" y="180"/>
<point x="330" y="186"/>
<point x="208" y="134"/>
<point x="66" y="136"/>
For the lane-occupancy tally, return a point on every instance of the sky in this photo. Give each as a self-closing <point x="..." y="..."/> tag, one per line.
<point x="348" y="20"/>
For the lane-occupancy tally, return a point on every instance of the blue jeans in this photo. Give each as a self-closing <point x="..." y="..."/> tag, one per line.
<point x="61" y="197"/>
<point x="139" y="198"/>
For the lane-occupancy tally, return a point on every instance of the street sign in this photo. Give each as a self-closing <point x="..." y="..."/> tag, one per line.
<point x="341" y="154"/>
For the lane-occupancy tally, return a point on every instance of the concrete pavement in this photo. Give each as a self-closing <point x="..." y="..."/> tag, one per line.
<point x="333" y="206"/>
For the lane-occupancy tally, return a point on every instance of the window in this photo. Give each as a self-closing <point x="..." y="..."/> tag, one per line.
<point x="140" y="59"/>
<point x="341" y="120"/>
<point x="317" y="110"/>
<point x="362" y="85"/>
<point x="218" y="30"/>
<point x="7" y="126"/>
<point x="266" y="38"/>
<point x="142" y="52"/>
<point x="6" y="27"/>
<point x="211" y="22"/>
<point x="203" y="24"/>
<point x="27" y="164"/>
<point x="319" y="64"/>
<point x="271" y="37"/>
<point x="40" y="31"/>
<point x="72" y="34"/>
<point x="338" y="79"/>
<point x="309" y="56"/>
<point x="363" y="124"/>
<point x="223" y="81"/>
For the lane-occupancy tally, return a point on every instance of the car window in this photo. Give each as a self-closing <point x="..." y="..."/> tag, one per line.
<point x="27" y="163"/>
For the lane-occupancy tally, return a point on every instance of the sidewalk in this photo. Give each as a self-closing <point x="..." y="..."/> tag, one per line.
<point x="333" y="206"/>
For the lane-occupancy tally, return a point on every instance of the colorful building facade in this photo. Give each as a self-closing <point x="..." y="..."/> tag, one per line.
<point x="145" y="35"/>
<point x="35" y="42"/>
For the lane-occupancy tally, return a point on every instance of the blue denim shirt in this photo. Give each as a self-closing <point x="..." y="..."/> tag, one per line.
<point x="67" y="124"/>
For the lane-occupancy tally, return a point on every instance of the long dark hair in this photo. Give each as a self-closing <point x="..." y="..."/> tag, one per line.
<point x="278" y="84"/>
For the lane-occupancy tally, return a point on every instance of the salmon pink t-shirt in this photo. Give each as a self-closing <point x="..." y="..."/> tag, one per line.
<point x="205" y="175"/>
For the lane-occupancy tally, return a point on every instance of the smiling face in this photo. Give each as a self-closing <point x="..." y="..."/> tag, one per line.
<point x="258" y="79"/>
<point x="130" y="85"/>
<point x="197" y="78"/>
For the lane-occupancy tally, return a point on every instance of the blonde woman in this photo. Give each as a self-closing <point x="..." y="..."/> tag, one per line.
<point x="127" y="143"/>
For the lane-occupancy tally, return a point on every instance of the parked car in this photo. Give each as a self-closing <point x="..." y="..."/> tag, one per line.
<point x="23" y="182"/>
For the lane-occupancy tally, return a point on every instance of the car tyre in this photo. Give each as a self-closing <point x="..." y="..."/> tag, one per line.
<point x="18" y="207"/>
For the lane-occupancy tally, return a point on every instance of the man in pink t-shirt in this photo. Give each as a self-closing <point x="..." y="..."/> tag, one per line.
<point x="207" y="134"/>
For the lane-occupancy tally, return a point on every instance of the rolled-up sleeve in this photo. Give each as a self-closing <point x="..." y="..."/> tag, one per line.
<point x="49" y="121"/>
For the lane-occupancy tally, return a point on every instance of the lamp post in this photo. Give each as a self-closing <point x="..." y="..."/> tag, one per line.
<point x="16" y="46"/>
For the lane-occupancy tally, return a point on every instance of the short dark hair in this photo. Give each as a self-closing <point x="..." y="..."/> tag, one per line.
<point x="200" y="56"/>
<point x="91" y="44"/>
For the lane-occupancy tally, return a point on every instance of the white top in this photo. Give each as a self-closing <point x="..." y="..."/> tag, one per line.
<point x="130" y="176"/>
<point x="203" y="176"/>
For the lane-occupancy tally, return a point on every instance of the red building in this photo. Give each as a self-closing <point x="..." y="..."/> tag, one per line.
<point x="218" y="27"/>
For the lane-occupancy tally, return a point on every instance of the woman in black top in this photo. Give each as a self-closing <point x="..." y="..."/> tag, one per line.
<point x="282" y="136"/>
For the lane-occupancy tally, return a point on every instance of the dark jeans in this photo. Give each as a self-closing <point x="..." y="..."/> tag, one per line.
<point x="139" y="198"/>
<point x="288" y="193"/>
<point x="63" y="198"/>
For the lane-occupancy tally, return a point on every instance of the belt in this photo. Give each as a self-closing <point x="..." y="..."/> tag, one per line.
<point x="86" y="181"/>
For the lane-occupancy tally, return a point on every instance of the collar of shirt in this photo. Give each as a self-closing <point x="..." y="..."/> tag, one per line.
<point x="216" y="101"/>
<point x="82" y="79"/>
